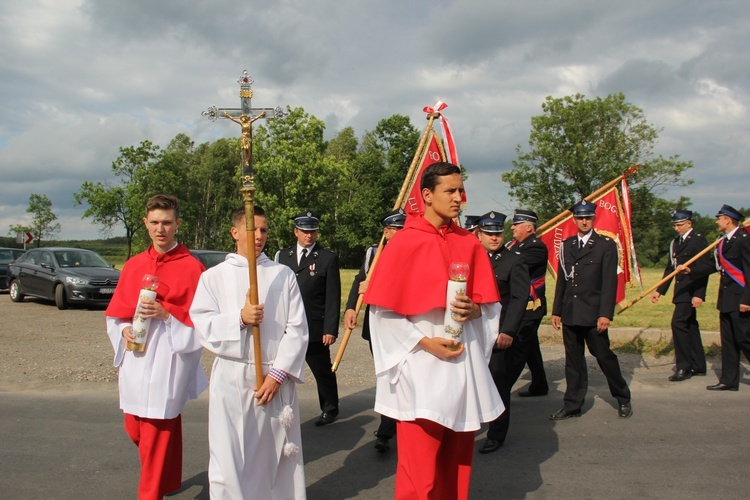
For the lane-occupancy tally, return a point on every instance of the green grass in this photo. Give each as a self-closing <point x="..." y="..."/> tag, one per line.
<point x="644" y="314"/>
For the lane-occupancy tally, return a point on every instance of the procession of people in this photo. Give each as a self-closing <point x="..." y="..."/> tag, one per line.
<point x="445" y="367"/>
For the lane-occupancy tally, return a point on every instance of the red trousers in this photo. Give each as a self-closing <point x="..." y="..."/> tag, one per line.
<point x="159" y="445"/>
<point x="434" y="462"/>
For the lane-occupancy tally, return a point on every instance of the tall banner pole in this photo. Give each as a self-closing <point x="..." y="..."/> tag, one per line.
<point x="551" y="223"/>
<point x="676" y="272"/>
<point x="408" y="181"/>
<point x="244" y="117"/>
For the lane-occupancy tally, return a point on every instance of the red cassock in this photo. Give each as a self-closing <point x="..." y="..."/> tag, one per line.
<point x="412" y="273"/>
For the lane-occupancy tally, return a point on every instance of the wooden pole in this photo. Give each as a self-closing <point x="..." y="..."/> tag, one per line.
<point x="248" y="198"/>
<point x="675" y="272"/>
<point x="550" y="223"/>
<point x="399" y="201"/>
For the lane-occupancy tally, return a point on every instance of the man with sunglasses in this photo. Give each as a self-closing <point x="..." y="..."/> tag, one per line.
<point x="584" y="305"/>
<point x="689" y="294"/>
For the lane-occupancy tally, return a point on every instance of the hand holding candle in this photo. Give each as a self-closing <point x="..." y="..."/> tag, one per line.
<point x="141" y="325"/>
<point x="459" y="273"/>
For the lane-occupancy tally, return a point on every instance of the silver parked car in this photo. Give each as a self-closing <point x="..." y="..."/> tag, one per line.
<point x="66" y="275"/>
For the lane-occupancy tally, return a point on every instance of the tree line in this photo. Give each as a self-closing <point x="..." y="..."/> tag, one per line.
<point x="575" y="146"/>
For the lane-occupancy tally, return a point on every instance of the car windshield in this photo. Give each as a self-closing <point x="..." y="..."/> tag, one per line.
<point x="211" y="259"/>
<point x="7" y="256"/>
<point x="79" y="258"/>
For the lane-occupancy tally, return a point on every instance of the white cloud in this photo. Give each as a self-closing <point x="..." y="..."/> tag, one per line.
<point x="82" y="78"/>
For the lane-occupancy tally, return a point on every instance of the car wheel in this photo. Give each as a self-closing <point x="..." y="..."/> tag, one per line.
<point x="61" y="298"/>
<point x="15" y="291"/>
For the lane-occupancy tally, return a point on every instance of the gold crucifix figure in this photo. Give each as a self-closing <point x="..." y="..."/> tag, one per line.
<point x="247" y="134"/>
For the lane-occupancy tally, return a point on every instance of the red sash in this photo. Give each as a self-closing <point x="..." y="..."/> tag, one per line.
<point x="733" y="271"/>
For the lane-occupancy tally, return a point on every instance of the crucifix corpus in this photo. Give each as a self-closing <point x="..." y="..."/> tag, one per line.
<point x="245" y="115"/>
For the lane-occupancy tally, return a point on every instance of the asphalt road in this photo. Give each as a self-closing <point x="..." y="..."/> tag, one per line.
<point x="682" y="442"/>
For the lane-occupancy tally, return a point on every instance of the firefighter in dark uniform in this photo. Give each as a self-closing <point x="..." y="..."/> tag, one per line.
<point x="392" y="222"/>
<point x="534" y="253"/>
<point x="317" y="271"/>
<point x="470" y="223"/>
<point x="584" y="305"/>
<point x="689" y="294"/>
<point x="507" y="360"/>
<point x="733" y="261"/>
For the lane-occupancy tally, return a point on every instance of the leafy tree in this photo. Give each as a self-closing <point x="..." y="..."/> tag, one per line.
<point x="122" y="203"/>
<point x="291" y="174"/>
<point x="43" y="223"/>
<point x="213" y="193"/>
<point x="578" y="144"/>
<point x="369" y="182"/>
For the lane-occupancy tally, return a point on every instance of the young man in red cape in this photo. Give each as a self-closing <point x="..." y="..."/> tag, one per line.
<point x="156" y="383"/>
<point x="439" y="390"/>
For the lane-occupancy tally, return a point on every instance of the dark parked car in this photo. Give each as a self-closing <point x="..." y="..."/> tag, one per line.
<point x="7" y="255"/>
<point x="66" y="275"/>
<point x="209" y="258"/>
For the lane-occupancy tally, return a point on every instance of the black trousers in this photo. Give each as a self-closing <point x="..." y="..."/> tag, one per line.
<point x="686" y="336"/>
<point x="506" y="366"/>
<point x="576" y="373"/>
<point x="318" y="358"/>
<point x="735" y="338"/>
<point x="534" y="360"/>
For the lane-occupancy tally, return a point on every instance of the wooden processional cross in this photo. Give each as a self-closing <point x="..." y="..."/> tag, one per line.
<point x="245" y="115"/>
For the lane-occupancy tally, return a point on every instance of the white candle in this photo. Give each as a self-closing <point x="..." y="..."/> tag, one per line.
<point x="141" y="325"/>
<point x="459" y="273"/>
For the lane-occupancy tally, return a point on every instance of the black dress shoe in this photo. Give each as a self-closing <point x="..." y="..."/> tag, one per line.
<point x="382" y="445"/>
<point x="721" y="387"/>
<point x="490" y="445"/>
<point x="625" y="411"/>
<point x="698" y="374"/>
<point x="327" y="417"/>
<point x="564" y="414"/>
<point x="529" y="394"/>
<point x="681" y="375"/>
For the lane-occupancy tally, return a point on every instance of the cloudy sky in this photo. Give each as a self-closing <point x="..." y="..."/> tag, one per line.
<point x="81" y="78"/>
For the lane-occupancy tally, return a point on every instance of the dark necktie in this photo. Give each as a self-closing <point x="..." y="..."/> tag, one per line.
<point x="304" y="254"/>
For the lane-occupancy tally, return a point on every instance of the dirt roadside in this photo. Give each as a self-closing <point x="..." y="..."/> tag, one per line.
<point x="44" y="348"/>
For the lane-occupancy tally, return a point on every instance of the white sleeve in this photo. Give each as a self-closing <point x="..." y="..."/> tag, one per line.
<point x="490" y="327"/>
<point x="182" y="338"/>
<point x="290" y="356"/>
<point x="217" y="331"/>
<point x="114" y="331"/>
<point x="393" y="337"/>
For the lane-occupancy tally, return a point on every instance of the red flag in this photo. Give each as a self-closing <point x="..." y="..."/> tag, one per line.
<point x="432" y="153"/>
<point x="611" y="221"/>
